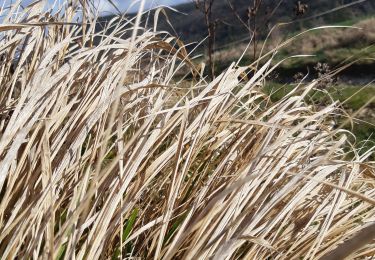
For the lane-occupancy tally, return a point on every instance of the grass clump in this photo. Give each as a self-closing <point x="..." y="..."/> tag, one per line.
<point x="104" y="155"/>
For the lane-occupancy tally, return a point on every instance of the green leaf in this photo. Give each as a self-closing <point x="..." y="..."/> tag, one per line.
<point x="61" y="252"/>
<point x="130" y="224"/>
<point x="126" y="232"/>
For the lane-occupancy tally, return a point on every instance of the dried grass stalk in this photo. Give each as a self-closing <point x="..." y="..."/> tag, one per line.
<point x="103" y="153"/>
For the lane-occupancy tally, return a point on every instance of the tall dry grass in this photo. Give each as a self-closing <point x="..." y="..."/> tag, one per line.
<point x="104" y="154"/>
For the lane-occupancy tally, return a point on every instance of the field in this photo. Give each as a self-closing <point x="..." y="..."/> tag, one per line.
<point x="114" y="144"/>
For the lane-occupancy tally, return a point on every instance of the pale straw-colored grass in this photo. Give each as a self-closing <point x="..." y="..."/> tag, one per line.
<point x="103" y="153"/>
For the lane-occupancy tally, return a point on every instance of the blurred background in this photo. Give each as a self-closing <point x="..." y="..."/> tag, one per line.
<point x="340" y="49"/>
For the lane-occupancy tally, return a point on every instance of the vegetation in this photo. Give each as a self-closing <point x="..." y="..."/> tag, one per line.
<point x="106" y="153"/>
<point x="332" y="45"/>
<point x="189" y="21"/>
<point x="357" y="101"/>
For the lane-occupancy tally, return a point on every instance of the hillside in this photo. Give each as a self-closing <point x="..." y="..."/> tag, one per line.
<point x="189" y="24"/>
<point x="190" y="28"/>
<point x="331" y="46"/>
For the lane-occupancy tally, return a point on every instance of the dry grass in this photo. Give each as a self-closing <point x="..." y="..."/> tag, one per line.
<point x="103" y="154"/>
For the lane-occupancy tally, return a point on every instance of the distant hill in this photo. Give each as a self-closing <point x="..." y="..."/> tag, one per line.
<point x="190" y="27"/>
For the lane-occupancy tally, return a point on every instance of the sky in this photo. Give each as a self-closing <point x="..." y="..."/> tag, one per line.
<point x="125" y="4"/>
<point x="104" y="7"/>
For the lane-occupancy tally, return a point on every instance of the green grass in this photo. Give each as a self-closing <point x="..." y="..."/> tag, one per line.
<point x="354" y="96"/>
